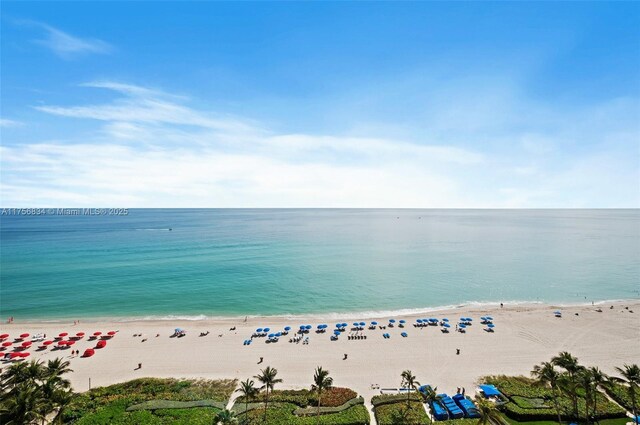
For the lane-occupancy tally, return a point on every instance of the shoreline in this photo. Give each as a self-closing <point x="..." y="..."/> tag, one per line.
<point x="364" y="315"/>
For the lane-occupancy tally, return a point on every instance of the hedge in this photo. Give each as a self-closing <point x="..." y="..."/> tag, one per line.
<point x="379" y="400"/>
<point x="282" y="414"/>
<point x="620" y="393"/>
<point x="173" y="404"/>
<point x="332" y="397"/>
<point x="309" y="411"/>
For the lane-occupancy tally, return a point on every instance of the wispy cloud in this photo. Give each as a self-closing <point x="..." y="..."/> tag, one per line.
<point x="7" y="123"/>
<point x="154" y="149"/>
<point x="65" y="45"/>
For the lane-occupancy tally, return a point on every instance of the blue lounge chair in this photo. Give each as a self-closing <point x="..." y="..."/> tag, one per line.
<point x="467" y="406"/>
<point x="454" y="411"/>
<point x="404" y="334"/>
<point x="439" y="412"/>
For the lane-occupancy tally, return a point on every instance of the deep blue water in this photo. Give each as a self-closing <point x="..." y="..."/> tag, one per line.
<point x="301" y="261"/>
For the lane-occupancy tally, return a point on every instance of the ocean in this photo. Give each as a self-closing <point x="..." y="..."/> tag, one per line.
<point x="236" y="262"/>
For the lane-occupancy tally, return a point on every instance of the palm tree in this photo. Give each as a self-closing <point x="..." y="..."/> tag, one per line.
<point x="569" y="363"/>
<point x="547" y="375"/>
<point x="631" y="377"/>
<point x="268" y="379"/>
<point x="321" y="381"/>
<point x="409" y="382"/>
<point x="598" y="379"/>
<point x="249" y="392"/>
<point x="226" y="417"/>
<point x="585" y="381"/>
<point x="489" y="413"/>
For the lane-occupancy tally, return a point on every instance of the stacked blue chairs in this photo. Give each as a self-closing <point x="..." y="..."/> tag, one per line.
<point x="454" y="411"/>
<point x="467" y="406"/>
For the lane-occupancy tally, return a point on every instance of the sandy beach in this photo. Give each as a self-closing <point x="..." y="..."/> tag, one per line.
<point x="525" y="335"/>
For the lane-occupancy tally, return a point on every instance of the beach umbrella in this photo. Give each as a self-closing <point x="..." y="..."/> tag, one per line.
<point x="111" y="333"/>
<point x="419" y="321"/>
<point x="88" y="352"/>
<point x="488" y="318"/>
<point x="336" y="332"/>
<point x="80" y="334"/>
<point x="482" y="318"/>
<point x="259" y="330"/>
<point x="462" y="325"/>
<point x="356" y="324"/>
<point x="446" y="325"/>
<point x="26" y="344"/>
<point x="4" y="336"/>
<point x="266" y="329"/>
<point x="24" y="335"/>
<point x="338" y="325"/>
<point x="100" y="333"/>
<point x="61" y="343"/>
<point x="287" y="328"/>
<point x="23" y="355"/>
<point x="14" y="355"/>
<point x="491" y="325"/>
<point x="47" y="343"/>
<point x="463" y="319"/>
<point x="271" y="335"/>
<point x="302" y="327"/>
<point x="7" y="344"/>
<point x="344" y="325"/>
<point x="362" y="324"/>
<point x="469" y="319"/>
<point x="278" y="334"/>
<point x="374" y="323"/>
<point x="70" y="342"/>
<point x="308" y="327"/>
<point x="555" y="312"/>
<point x="402" y="321"/>
<point x="445" y="320"/>
<point x="62" y="334"/>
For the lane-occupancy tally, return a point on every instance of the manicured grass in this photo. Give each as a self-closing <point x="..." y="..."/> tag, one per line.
<point x="282" y="414"/>
<point x="108" y="405"/>
<point x="389" y="414"/>
<point x="530" y="401"/>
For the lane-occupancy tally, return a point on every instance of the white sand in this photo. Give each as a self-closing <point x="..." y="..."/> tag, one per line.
<point x="525" y="335"/>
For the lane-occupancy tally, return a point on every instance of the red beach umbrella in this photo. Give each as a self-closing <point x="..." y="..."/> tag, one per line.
<point x="24" y="336"/>
<point x="23" y="355"/>
<point x="101" y="344"/>
<point x="70" y="342"/>
<point x="112" y="333"/>
<point x="47" y="343"/>
<point x="61" y="343"/>
<point x="62" y="334"/>
<point x="89" y="352"/>
<point x="14" y="355"/>
<point x="26" y="344"/>
<point x="7" y="344"/>
<point x="80" y="334"/>
<point x="4" y="336"/>
<point x="97" y="333"/>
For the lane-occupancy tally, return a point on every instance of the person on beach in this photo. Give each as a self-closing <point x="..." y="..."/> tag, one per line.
<point x="261" y="360"/>
<point x="457" y="351"/>
<point x="463" y="391"/>
<point x="345" y="356"/>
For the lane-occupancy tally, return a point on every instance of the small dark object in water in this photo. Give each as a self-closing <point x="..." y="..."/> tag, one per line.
<point x="170" y="229"/>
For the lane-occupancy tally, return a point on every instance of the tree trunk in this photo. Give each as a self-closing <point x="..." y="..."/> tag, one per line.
<point x="266" y="404"/>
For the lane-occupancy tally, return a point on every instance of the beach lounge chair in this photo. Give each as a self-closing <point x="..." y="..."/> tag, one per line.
<point x="404" y="334"/>
<point x="454" y="411"/>
<point x="467" y="406"/>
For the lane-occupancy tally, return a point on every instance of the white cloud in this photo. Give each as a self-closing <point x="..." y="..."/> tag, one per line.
<point x="152" y="150"/>
<point x="7" y="123"/>
<point x="68" y="46"/>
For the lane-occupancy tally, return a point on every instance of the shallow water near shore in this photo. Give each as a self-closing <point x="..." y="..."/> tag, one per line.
<point x="217" y="263"/>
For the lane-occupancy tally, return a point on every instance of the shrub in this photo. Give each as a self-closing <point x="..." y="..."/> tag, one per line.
<point x="379" y="400"/>
<point x="309" y="411"/>
<point x="390" y="413"/>
<point x="282" y="414"/>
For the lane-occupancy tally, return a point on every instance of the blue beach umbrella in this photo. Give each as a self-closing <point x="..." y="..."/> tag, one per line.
<point x="374" y="323"/>
<point x="336" y="332"/>
<point x="319" y="326"/>
<point x="463" y="319"/>
<point x="266" y="330"/>
<point x="491" y="325"/>
<point x="446" y="325"/>
<point x="462" y="325"/>
<point x="392" y="320"/>
<point x="272" y="335"/>
<point x="344" y="325"/>
<point x="362" y="324"/>
<point x="259" y="330"/>
<point x="419" y="320"/>
<point x="338" y="325"/>
<point x="469" y="319"/>
<point x="278" y="334"/>
<point x="287" y="328"/>
<point x="488" y="318"/>
<point x="483" y="318"/>
<point x="308" y="327"/>
<point x="356" y="324"/>
<point x="402" y="321"/>
<point x="445" y="320"/>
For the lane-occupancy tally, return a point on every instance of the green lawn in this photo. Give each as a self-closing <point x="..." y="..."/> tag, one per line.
<point x="108" y="405"/>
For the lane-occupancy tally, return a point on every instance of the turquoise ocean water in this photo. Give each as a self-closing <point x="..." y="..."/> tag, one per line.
<point x="310" y="261"/>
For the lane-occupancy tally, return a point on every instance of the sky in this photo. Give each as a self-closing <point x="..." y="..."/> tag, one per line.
<point x="320" y="104"/>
